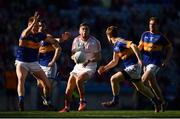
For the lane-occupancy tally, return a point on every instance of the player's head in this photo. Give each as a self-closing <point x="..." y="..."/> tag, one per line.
<point x="153" y="24"/>
<point x="36" y="25"/>
<point x="111" y="32"/>
<point x="84" y="30"/>
<point x="42" y="26"/>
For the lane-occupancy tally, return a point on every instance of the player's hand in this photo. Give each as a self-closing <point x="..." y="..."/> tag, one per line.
<point x="36" y="16"/>
<point x="66" y="36"/>
<point x="101" y="70"/>
<point x="72" y="56"/>
<point x="164" y="64"/>
<point x="50" y="64"/>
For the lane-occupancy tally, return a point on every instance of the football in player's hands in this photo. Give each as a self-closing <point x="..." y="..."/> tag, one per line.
<point x="79" y="57"/>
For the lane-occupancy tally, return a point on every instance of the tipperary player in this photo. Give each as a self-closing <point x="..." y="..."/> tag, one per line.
<point x="48" y="55"/>
<point x="129" y="54"/>
<point x="27" y="58"/>
<point x="152" y="46"/>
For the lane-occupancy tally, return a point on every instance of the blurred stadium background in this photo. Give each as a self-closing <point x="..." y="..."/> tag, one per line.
<point x="66" y="15"/>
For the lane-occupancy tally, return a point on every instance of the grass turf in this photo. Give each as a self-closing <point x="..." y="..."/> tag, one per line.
<point x="132" y="113"/>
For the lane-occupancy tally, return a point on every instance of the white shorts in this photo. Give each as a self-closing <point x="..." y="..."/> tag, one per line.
<point x="152" y="68"/>
<point x="134" y="71"/>
<point x="29" y="66"/>
<point x="79" y="69"/>
<point x="50" y="71"/>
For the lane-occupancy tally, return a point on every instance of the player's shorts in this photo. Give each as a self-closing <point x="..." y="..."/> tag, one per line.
<point x="29" y="66"/>
<point x="50" y="71"/>
<point x="79" y="69"/>
<point x="152" y="68"/>
<point x="132" y="73"/>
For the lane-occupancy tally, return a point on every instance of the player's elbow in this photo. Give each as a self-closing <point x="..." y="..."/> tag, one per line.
<point x="114" y="62"/>
<point x="59" y="49"/>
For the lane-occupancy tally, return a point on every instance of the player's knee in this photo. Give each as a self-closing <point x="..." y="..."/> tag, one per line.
<point x="114" y="79"/>
<point x="20" y="82"/>
<point x="47" y="86"/>
<point x="143" y="79"/>
<point x="69" y="90"/>
<point x="39" y="84"/>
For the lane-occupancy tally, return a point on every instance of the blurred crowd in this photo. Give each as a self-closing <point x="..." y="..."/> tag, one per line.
<point x="131" y="16"/>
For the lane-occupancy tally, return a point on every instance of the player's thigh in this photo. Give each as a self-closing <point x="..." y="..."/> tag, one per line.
<point x="71" y="83"/>
<point x="151" y="70"/>
<point x="83" y="77"/>
<point x="21" y="72"/>
<point x="148" y="76"/>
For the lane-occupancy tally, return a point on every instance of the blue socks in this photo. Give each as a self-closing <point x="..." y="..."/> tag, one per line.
<point x="21" y="98"/>
<point x="115" y="98"/>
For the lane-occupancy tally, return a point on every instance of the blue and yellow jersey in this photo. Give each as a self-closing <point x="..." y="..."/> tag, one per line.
<point x="29" y="47"/>
<point x="152" y="46"/>
<point x="124" y="51"/>
<point x="46" y="53"/>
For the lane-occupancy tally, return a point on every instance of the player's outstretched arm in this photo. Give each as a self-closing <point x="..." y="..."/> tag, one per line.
<point x="64" y="37"/>
<point x="137" y="53"/>
<point x="110" y="65"/>
<point x="28" y="29"/>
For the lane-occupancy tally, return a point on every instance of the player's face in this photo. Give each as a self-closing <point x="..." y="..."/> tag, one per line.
<point x="40" y="27"/>
<point x="153" y="26"/>
<point x="84" y="31"/>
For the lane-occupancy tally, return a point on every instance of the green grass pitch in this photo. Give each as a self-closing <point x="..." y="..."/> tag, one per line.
<point x="102" y="114"/>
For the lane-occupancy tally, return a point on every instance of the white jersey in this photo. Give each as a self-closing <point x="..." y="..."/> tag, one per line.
<point x="91" y="46"/>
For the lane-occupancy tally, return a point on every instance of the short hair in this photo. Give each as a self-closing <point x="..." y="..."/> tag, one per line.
<point x="112" y="31"/>
<point x="31" y="19"/>
<point x="84" y="24"/>
<point x="154" y="19"/>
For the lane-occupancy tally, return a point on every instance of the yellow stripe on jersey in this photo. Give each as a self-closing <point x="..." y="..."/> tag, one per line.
<point x="128" y="44"/>
<point x="151" y="47"/>
<point x="125" y="54"/>
<point x="44" y="49"/>
<point x="29" y="44"/>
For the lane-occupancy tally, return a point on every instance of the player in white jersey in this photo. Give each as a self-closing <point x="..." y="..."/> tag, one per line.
<point x="82" y="71"/>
